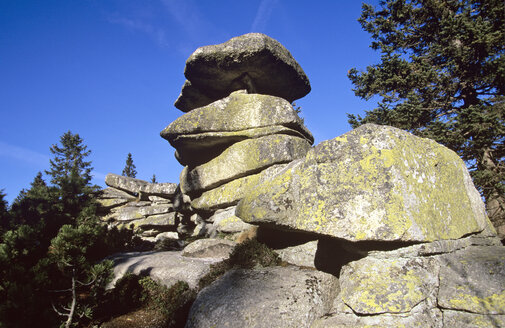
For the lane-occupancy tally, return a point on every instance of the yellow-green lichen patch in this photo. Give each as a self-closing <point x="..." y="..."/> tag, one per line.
<point x="374" y="183"/>
<point x="241" y="159"/>
<point x="239" y="111"/>
<point x="374" y="286"/>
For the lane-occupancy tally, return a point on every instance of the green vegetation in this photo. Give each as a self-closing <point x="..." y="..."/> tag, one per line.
<point x="247" y="255"/>
<point x="51" y="244"/>
<point x="129" y="169"/>
<point x="167" y="306"/>
<point x="442" y="76"/>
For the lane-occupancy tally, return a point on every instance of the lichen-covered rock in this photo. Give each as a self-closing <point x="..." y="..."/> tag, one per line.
<point x="206" y="131"/>
<point x="252" y="61"/>
<point x="231" y="193"/>
<point x="431" y="318"/>
<point x="373" y="183"/>
<point x="275" y="297"/>
<point x="209" y="247"/>
<point x="301" y="255"/>
<point x="374" y="286"/>
<point x="155" y="221"/>
<point x="143" y="188"/>
<point x="164" y="267"/>
<point x="129" y="213"/>
<point x="240" y="159"/>
<point x="473" y="280"/>
<point x="226" y="221"/>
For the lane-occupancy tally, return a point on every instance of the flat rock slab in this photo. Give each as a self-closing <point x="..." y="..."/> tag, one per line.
<point x="375" y="183"/>
<point x="210" y="247"/>
<point x="164" y="267"/>
<point x="143" y="188"/>
<point x="252" y="61"/>
<point x="275" y="297"/>
<point x="226" y="221"/>
<point x="473" y="280"/>
<point x="241" y="159"/>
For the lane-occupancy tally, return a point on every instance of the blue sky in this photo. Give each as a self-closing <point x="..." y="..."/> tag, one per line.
<point x="110" y="70"/>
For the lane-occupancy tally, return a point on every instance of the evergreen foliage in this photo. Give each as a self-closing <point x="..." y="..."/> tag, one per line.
<point x="442" y="76"/>
<point x="52" y="244"/>
<point x="129" y="169"/>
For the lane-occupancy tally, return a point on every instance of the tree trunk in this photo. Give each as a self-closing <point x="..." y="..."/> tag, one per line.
<point x="495" y="202"/>
<point x="74" y="302"/>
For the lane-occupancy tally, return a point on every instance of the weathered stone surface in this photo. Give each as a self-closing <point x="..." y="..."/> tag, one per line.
<point x="463" y="319"/>
<point x="206" y="131"/>
<point x="113" y="193"/>
<point x="374" y="286"/>
<point x="252" y="61"/>
<point x="373" y="183"/>
<point x="129" y="213"/>
<point x="301" y="255"/>
<point x="109" y="203"/>
<point x="164" y="267"/>
<point x="195" y="149"/>
<point x="166" y="235"/>
<point x="231" y="193"/>
<point x="191" y="97"/>
<point x="241" y="159"/>
<point x="210" y="247"/>
<point x="268" y="297"/>
<point x="431" y="318"/>
<point x="225" y="221"/>
<point x="159" y="200"/>
<point x="156" y="221"/>
<point x="136" y="186"/>
<point x="473" y="280"/>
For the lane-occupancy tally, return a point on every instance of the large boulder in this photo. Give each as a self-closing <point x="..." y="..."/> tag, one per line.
<point x="205" y="132"/>
<point x="254" y="62"/>
<point x="275" y="297"/>
<point x="165" y="267"/>
<point x="453" y="283"/>
<point x="240" y="159"/>
<point x="375" y="183"/>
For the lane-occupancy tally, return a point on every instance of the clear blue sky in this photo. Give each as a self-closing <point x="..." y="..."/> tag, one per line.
<point x="110" y="70"/>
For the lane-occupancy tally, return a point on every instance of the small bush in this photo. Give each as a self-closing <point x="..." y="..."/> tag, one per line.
<point x="247" y="255"/>
<point x="173" y="302"/>
<point x="251" y="253"/>
<point x="128" y="292"/>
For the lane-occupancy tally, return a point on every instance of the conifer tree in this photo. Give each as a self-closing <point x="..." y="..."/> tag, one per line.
<point x="442" y="76"/>
<point x="71" y="173"/>
<point x="129" y="169"/>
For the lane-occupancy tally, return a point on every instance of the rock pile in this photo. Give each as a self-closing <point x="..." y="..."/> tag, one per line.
<point x="249" y="131"/>
<point x="376" y="228"/>
<point x="140" y="205"/>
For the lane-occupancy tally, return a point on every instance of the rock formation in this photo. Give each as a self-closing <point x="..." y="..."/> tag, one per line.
<point x="375" y="228"/>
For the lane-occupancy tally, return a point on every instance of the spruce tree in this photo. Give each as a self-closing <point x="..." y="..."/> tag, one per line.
<point x="129" y="169"/>
<point x="442" y="76"/>
<point x="71" y="174"/>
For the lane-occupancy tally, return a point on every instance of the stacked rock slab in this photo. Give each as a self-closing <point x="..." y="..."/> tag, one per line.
<point x="140" y="205"/>
<point x="240" y="127"/>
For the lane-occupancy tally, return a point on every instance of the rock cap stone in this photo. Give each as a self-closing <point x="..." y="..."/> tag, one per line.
<point x="253" y="61"/>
